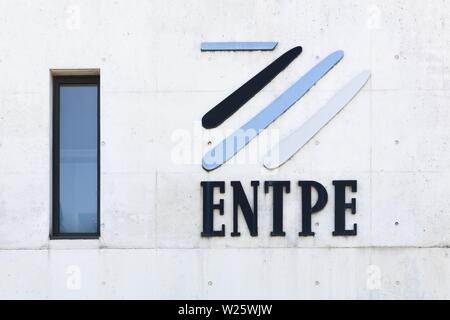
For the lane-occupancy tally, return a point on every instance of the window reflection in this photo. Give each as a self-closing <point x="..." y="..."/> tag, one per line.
<point x="78" y="159"/>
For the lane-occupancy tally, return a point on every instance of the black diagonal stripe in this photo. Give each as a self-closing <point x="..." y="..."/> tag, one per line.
<point x="238" y="98"/>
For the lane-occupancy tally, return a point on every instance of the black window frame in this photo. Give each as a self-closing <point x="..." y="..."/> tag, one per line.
<point x="57" y="82"/>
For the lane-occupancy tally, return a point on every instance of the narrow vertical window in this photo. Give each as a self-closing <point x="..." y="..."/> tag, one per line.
<point x="76" y="157"/>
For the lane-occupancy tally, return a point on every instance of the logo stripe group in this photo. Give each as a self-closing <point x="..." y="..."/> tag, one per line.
<point x="240" y="138"/>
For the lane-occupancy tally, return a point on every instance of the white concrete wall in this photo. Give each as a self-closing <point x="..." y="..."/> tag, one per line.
<point x="155" y="84"/>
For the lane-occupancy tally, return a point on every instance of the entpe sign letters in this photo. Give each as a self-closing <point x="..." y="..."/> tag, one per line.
<point x="241" y="201"/>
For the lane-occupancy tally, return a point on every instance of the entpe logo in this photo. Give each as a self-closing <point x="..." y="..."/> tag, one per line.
<point x="277" y="156"/>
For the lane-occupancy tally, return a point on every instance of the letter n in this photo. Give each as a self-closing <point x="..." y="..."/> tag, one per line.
<point x="240" y="201"/>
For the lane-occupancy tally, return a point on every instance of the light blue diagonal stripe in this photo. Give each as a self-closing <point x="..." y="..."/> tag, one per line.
<point x="241" y="137"/>
<point x="238" y="46"/>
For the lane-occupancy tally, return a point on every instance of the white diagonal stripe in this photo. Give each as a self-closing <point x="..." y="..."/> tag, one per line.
<point x="294" y="142"/>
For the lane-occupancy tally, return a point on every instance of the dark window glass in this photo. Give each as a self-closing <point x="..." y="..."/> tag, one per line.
<point x="76" y="157"/>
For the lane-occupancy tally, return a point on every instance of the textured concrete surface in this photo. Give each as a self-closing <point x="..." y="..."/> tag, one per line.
<point x="156" y="85"/>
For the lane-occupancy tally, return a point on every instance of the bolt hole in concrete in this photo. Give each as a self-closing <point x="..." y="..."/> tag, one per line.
<point x="396" y="223"/>
<point x="210" y="283"/>
<point x="209" y="143"/>
<point x="317" y="283"/>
